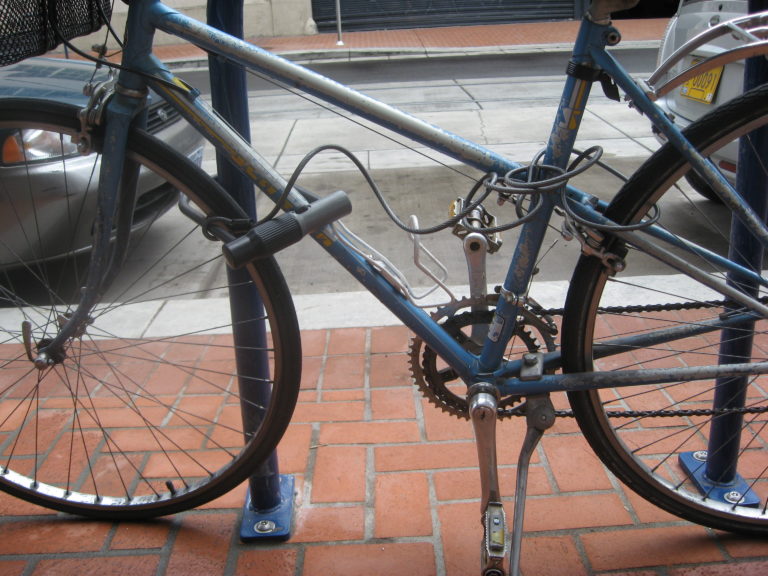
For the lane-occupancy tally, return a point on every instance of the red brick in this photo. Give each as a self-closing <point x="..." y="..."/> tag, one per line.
<point x="128" y="417"/>
<point x="277" y="562"/>
<point x="389" y="370"/>
<point x="440" y="455"/>
<point x="196" y="410"/>
<point x="347" y="341"/>
<point x="313" y="342"/>
<point x="369" y="432"/>
<point x="402" y="505"/>
<point x="150" y="440"/>
<point x="461" y="536"/>
<point x="293" y="450"/>
<point x="220" y="347"/>
<point x="50" y="423"/>
<point x="31" y="537"/>
<point x="643" y="547"/>
<point x="383" y="559"/>
<point x="339" y="474"/>
<point x="465" y="484"/>
<point x="390" y="339"/>
<point x="728" y="569"/>
<point x="212" y="377"/>
<point x="574" y="465"/>
<point x="425" y="456"/>
<point x="343" y="372"/>
<point x="636" y="573"/>
<point x="109" y="566"/>
<point x="308" y="396"/>
<point x="442" y="426"/>
<point x="575" y="511"/>
<point x="167" y="379"/>
<point x="133" y="536"/>
<point x="326" y="524"/>
<point x="551" y="556"/>
<point x="232" y="500"/>
<point x="310" y="372"/>
<point x="744" y="547"/>
<point x="191" y="348"/>
<point x="12" y="567"/>
<point x="171" y="465"/>
<point x="202" y="544"/>
<point x="328" y="412"/>
<point x="11" y="506"/>
<point x="646" y="512"/>
<point x="343" y="395"/>
<point x="392" y="404"/>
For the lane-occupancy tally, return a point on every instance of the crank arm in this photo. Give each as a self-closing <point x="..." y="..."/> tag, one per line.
<point x="482" y="408"/>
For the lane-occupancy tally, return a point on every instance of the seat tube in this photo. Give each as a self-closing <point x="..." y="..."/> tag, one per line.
<point x="559" y="148"/>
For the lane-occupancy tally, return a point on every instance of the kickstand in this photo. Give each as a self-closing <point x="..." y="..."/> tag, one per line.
<point x="539" y="416"/>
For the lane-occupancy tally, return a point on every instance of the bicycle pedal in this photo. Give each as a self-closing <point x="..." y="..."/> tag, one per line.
<point x="268" y="238"/>
<point x="496" y="540"/>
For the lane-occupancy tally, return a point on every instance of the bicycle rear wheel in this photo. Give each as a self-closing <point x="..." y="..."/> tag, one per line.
<point x="142" y="414"/>
<point x="660" y="439"/>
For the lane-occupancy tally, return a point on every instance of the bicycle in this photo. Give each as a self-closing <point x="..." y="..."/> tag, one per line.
<point x="102" y="421"/>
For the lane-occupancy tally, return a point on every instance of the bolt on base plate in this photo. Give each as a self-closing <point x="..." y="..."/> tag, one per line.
<point x="273" y="524"/>
<point x="736" y="492"/>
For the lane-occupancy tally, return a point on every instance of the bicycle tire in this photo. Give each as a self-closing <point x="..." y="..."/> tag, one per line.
<point x="643" y="449"/>
<point x="131" y="423"/>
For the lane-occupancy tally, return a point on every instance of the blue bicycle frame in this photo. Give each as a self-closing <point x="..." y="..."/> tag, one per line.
<point x="590" y="55"/>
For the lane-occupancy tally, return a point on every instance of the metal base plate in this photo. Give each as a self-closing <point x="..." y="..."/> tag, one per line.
<point x="737" y="492"/>
<point x="273" y="524"/>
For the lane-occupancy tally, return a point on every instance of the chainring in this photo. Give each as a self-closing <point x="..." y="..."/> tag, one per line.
<point x="434" y="382"/>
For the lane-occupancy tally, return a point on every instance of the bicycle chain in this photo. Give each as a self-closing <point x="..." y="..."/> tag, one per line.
<point x="660" y="413"/>
<point x="663" y="413"/>
<point x="645" y="307"/>
<point x="538" y="310"/>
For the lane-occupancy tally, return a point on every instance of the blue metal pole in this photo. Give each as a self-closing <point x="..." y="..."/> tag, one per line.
<point x="268" y="507"/>
<point x="736" y="343"/>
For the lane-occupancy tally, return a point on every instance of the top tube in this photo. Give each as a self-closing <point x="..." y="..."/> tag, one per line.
<point x="296" y="76"/>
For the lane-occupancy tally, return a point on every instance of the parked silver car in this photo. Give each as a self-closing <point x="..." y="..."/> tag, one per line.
<point x="32" y="161"/>
<point x="703" y="93"/>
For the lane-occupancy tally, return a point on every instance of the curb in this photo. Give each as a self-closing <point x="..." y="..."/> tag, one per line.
<point x="362" y="55"/>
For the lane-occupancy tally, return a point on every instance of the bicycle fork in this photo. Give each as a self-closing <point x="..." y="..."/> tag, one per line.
<point x="540" y="416"/>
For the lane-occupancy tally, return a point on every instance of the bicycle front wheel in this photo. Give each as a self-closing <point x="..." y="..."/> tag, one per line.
<point x="698" y="449"/>
<point x="140" y="415"/>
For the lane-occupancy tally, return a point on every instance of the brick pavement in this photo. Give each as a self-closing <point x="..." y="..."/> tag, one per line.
<point x="417" y="42"/>
<point x="387" y="485"/>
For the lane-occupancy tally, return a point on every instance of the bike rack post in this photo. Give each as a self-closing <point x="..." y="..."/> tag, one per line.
<point x="269" y="503"/>
<point x="715" y="471"/>
<point x="339" y="41"/>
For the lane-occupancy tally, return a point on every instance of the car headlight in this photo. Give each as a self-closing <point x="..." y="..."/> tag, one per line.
<point x="35" y="145"/>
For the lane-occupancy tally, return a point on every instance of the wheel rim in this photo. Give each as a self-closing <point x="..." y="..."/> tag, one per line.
<point x="641" y="432"/>
<point x="141" y="414"/>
